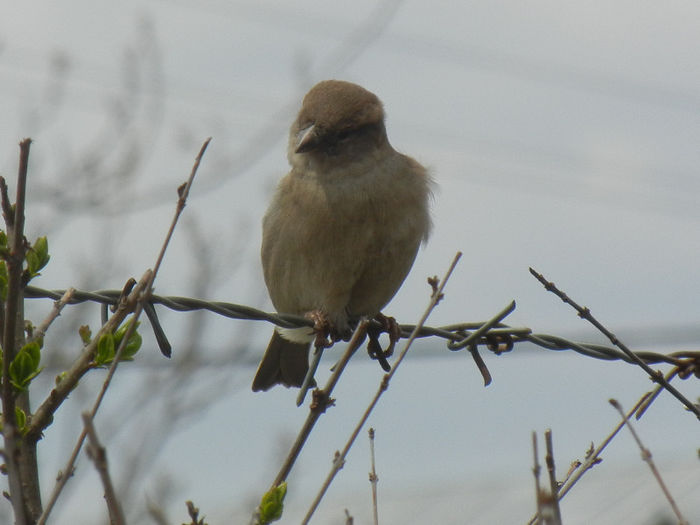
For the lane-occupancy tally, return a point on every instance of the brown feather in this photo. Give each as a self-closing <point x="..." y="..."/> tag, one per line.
<point x="284" y="363"/>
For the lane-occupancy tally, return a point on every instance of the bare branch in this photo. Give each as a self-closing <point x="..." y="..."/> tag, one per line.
<point x="98" y="454"/>
<point x="536" y="473"/>
<point x="553" y="485"/>
<point x="139" y="296"/>
<point x="592" y="458"/>
<point x="11" y="337"/>
<point x="321" y="401"/>
<point x="40" y="331"/>
<point x="339" y="460"/>
<point x="646" y="456"/>
<point x="44" y="414"/>
<point x="585" y="313"/>
<point x="373" y="479"/>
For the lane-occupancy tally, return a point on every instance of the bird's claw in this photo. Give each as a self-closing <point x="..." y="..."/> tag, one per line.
<point x="323" y="329"/>
<point x="391" y="327"/>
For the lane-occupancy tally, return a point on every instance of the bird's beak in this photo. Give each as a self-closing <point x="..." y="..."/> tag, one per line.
<point x="307" y="139"/>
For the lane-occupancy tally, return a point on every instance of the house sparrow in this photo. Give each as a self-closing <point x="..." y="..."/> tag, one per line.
<point x="344" y="225"/>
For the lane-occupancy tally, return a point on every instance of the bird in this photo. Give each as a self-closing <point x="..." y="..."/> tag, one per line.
<point x="343" y="227"/>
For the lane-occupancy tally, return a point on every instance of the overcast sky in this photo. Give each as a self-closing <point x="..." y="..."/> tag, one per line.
<point x="563" y="136"/>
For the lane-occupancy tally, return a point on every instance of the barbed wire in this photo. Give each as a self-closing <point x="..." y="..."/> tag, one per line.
<point x="499" y="339"/>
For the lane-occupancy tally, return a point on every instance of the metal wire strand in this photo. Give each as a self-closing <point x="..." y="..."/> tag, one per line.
<point x="499" y="339"/>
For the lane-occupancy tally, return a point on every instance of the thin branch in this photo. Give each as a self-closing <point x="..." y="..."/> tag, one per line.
<point x="11" y="333"/>
<point x="651" y="396"/>
<point x="193" y="512"/>
<point x="156" y="513"/>
<point x="183" y="192"/>
<point x="98" y="454"/>
<point x="321" y="401"/>
<point x="349" y="520"/>
<point x="139" y="296"/>
<point x="592" y="458"/>
<point x="646" y="456"/>
<point x="339" y="460"/>
<point x="373" y="479"/>
<point x="44" y="414"/>
<point x="40" y="331"/>
<point x="553" y="485"/>
<point x="586" y="314"/>
<point x="536" y="473"/>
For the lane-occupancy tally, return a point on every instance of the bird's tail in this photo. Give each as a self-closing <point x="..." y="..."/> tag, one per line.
<point x="284" y="362"/>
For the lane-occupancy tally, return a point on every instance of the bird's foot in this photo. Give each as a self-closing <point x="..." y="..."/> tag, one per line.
<point x="323" y="329"/>
<point x="387" y="325"/>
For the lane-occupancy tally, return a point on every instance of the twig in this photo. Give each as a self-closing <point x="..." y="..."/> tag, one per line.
<point x="156" y="513"/>
<point x="585" y="313"/>
<point x="592" y="458"/>
<point x="646" y="456"/>
<point x="183" y="192"/>
<point x="193" y="512"/>
<point x="321" y="400"/>
<point x="40" y="330"/>
<point x="536" y="473"/>
<point x="339" y="460"/>
<point x="43" y="415"/>
<point x="553" y="485"/>
<point x="139" y="295"/>
<point x="308" y="381"/>
<point x="651" y="396"/>
<point x="98" y="454"/>
<point x="14" y="219"/>
<point x="373" y="479"/>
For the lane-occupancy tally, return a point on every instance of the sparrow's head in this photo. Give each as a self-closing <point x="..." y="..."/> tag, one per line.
<point x="338" y="119"/>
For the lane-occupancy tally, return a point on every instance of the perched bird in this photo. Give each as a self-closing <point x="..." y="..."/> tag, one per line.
<point x="344" y="225"/>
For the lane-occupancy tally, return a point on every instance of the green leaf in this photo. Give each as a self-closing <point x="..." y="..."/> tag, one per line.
<point x="4" y="248"/>
<point x="60" y="377"/>
<point x="3" y="281"/>
<point x="105" y="350"/>
<point x="85" y="334"/>
<point x="41" y="247"/>
<point x="119" y="334"/>
<point x="21" y="418"/>
<point x="32" y="262"/>
<point x="272" y="504"/>
<point x="25" y="366"/>
<point x="133" y="345"/>
<point x="37" y="256"/>
<point x="34" y="351"/>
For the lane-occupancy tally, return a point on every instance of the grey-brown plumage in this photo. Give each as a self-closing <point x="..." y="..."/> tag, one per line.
<point x="344" y="225"/>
